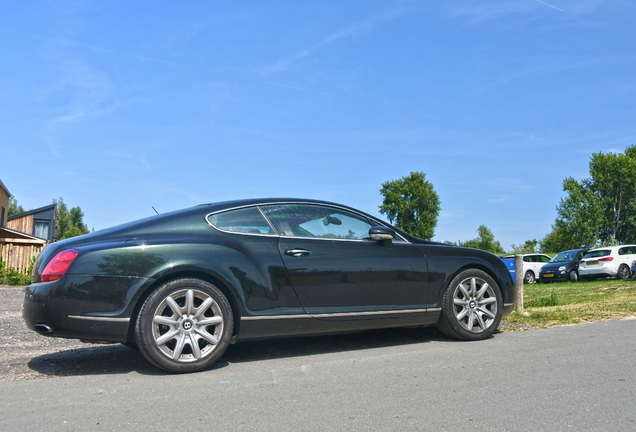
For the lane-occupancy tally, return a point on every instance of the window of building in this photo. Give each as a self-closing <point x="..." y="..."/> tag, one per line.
<point x="41" y="229"/>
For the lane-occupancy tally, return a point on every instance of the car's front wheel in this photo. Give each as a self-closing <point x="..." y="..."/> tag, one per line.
<point x="574" y="276"/>
<point x="472" y="306"/>
<point x="184" y="326"/>
<point x="529" y="277"/>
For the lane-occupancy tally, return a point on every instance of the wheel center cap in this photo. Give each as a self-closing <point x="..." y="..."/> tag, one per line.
<point x="472" y="304"/>
<point x="187" y="324"/>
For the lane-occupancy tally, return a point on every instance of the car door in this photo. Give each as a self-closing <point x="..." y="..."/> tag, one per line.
<point x="626" y="255"/>
<point x="339" y="273"/>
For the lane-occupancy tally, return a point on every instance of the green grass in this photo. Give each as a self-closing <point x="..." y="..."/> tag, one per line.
<point x="560" y="303"/>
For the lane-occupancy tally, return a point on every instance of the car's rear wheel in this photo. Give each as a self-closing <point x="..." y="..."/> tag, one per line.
<point x="472" y="306"/>
<point x="184" y="326"/>
<point x="623" y="272"/>
<point x="574" y="276"/>
<point x="529" y="277"/>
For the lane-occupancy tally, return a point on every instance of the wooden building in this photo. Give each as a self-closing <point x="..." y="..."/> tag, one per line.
<point x="23" y="236"/>
<point x="18" y="250"/>
<point x="4" y="203"/>
<point x="38" y="223"/>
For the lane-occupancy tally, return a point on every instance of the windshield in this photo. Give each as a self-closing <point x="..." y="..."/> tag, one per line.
<point x="598" y="253"/>
<point x="566" y="256"/>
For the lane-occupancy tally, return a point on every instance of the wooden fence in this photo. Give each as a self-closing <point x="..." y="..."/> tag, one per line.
<point x="19" y="257"/>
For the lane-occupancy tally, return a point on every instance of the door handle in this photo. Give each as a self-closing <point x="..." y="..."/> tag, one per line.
<point x="297" y="252"/>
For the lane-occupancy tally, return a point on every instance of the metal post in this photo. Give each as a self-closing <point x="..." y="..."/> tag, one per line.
<point x="519" y="283"/>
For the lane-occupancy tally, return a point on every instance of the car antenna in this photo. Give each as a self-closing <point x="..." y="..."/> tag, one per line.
<point x="153" y="207"/>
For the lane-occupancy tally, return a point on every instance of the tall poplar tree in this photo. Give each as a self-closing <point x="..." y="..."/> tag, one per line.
<point x="411" y="204"/>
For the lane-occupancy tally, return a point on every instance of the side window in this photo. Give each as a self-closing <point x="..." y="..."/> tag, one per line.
<point x="526" y="259"/>
<point x="544" y="259"/>
<point x="580" y="256"/>
<point x="248" y="221"/>
<point x="622" y="251"/>
<point x="304" y="220"/>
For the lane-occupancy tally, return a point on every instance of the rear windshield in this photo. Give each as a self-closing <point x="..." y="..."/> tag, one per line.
<point x="598" y="253"/>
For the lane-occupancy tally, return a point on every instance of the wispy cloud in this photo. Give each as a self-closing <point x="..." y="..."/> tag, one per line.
<point x="90" y="91"/>
<point x="69" y="43"/>
<point x="141" y="159"/>
<point x="549" y="68"/>
<point x="553" y="7"/>
<point x="349" y="32"/>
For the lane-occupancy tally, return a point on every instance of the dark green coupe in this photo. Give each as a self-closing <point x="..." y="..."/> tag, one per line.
<point x="182" y="286"/>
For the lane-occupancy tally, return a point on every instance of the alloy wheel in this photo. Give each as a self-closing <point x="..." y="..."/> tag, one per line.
<point x="187" y="325"/>
<point x="475" y="304"/>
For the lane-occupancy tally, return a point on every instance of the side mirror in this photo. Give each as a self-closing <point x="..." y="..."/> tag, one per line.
<point x="383" y="234"/>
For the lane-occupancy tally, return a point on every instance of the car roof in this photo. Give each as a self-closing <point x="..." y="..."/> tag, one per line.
<point x="226" y="205"/>
<point x="611" y="248"/>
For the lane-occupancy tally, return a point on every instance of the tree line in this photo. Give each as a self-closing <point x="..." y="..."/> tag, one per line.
<point x="597" y="211"/>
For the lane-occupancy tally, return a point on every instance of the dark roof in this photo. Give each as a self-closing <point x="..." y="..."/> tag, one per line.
<point x="26" y="213"/>
<point x="5" y="188"/>
<point x="13" y="234"/>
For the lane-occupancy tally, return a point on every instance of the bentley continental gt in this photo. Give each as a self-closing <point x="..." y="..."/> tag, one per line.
<point x="182" y="286"/>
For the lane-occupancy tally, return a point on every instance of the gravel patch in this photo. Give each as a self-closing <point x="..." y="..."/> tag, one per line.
<point x="25" y="354"/>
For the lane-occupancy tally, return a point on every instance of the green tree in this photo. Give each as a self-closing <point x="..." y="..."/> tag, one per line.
<point x="530" y="246"/>
<point x="69" y="222"/>
<point x="14" y="208"/>
<point x="579" y="218"/>
<point x="613" y="181"/>
<point x="485" y="241"/>
<point x="600" y="209"/>
<point x="412" y="204"/>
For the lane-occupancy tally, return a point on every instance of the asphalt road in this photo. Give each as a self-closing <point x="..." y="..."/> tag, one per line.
<point x="572" y="378"/>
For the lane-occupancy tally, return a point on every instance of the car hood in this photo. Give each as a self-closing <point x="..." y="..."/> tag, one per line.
<point x="555" y="266"/>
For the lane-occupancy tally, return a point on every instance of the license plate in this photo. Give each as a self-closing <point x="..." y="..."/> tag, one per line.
<point x="548" y="275"/>
<point x="592" y="262"/>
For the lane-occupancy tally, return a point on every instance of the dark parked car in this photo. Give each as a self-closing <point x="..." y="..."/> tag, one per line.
<point x="563" y="266"/>
<point x="182" y="286"/>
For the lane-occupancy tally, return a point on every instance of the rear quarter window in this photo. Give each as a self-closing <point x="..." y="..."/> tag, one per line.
<point x="246" y="221"/>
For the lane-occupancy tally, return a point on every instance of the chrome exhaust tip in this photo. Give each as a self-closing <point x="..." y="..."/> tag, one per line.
<point x="43" y="329"/>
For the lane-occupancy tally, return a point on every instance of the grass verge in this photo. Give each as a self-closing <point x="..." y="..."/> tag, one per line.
<point x="560" y="303"/>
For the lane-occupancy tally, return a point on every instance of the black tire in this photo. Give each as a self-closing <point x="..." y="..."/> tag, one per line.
<point x="623" y="272"/>
<point x="464" y="322"/>
<point x="529" y="277"/>
<point x="179" y="323"/>
<point x="574" y="276"/>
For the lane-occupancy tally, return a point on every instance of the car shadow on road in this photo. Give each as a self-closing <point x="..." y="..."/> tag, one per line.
<point x="324" y="344"/>
<point x="119" y="359"/>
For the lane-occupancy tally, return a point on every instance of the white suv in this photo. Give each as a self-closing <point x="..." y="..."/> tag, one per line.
<point x="532" y="264"/>
<point x="614" y="261"/>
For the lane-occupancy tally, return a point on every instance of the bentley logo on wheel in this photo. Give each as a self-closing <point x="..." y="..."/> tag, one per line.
<point x="187" y="325"/>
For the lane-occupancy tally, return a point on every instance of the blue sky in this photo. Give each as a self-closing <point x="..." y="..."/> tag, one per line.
<point x="119" y="106"/>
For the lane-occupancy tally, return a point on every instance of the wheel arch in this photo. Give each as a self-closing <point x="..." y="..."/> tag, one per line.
<point x="476" y="266"/>
<point x="223" y="286"/>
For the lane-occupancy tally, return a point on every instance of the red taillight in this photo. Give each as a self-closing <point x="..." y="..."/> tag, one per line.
<point x="606" y="259"/>
<point x="58" y="265"/>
